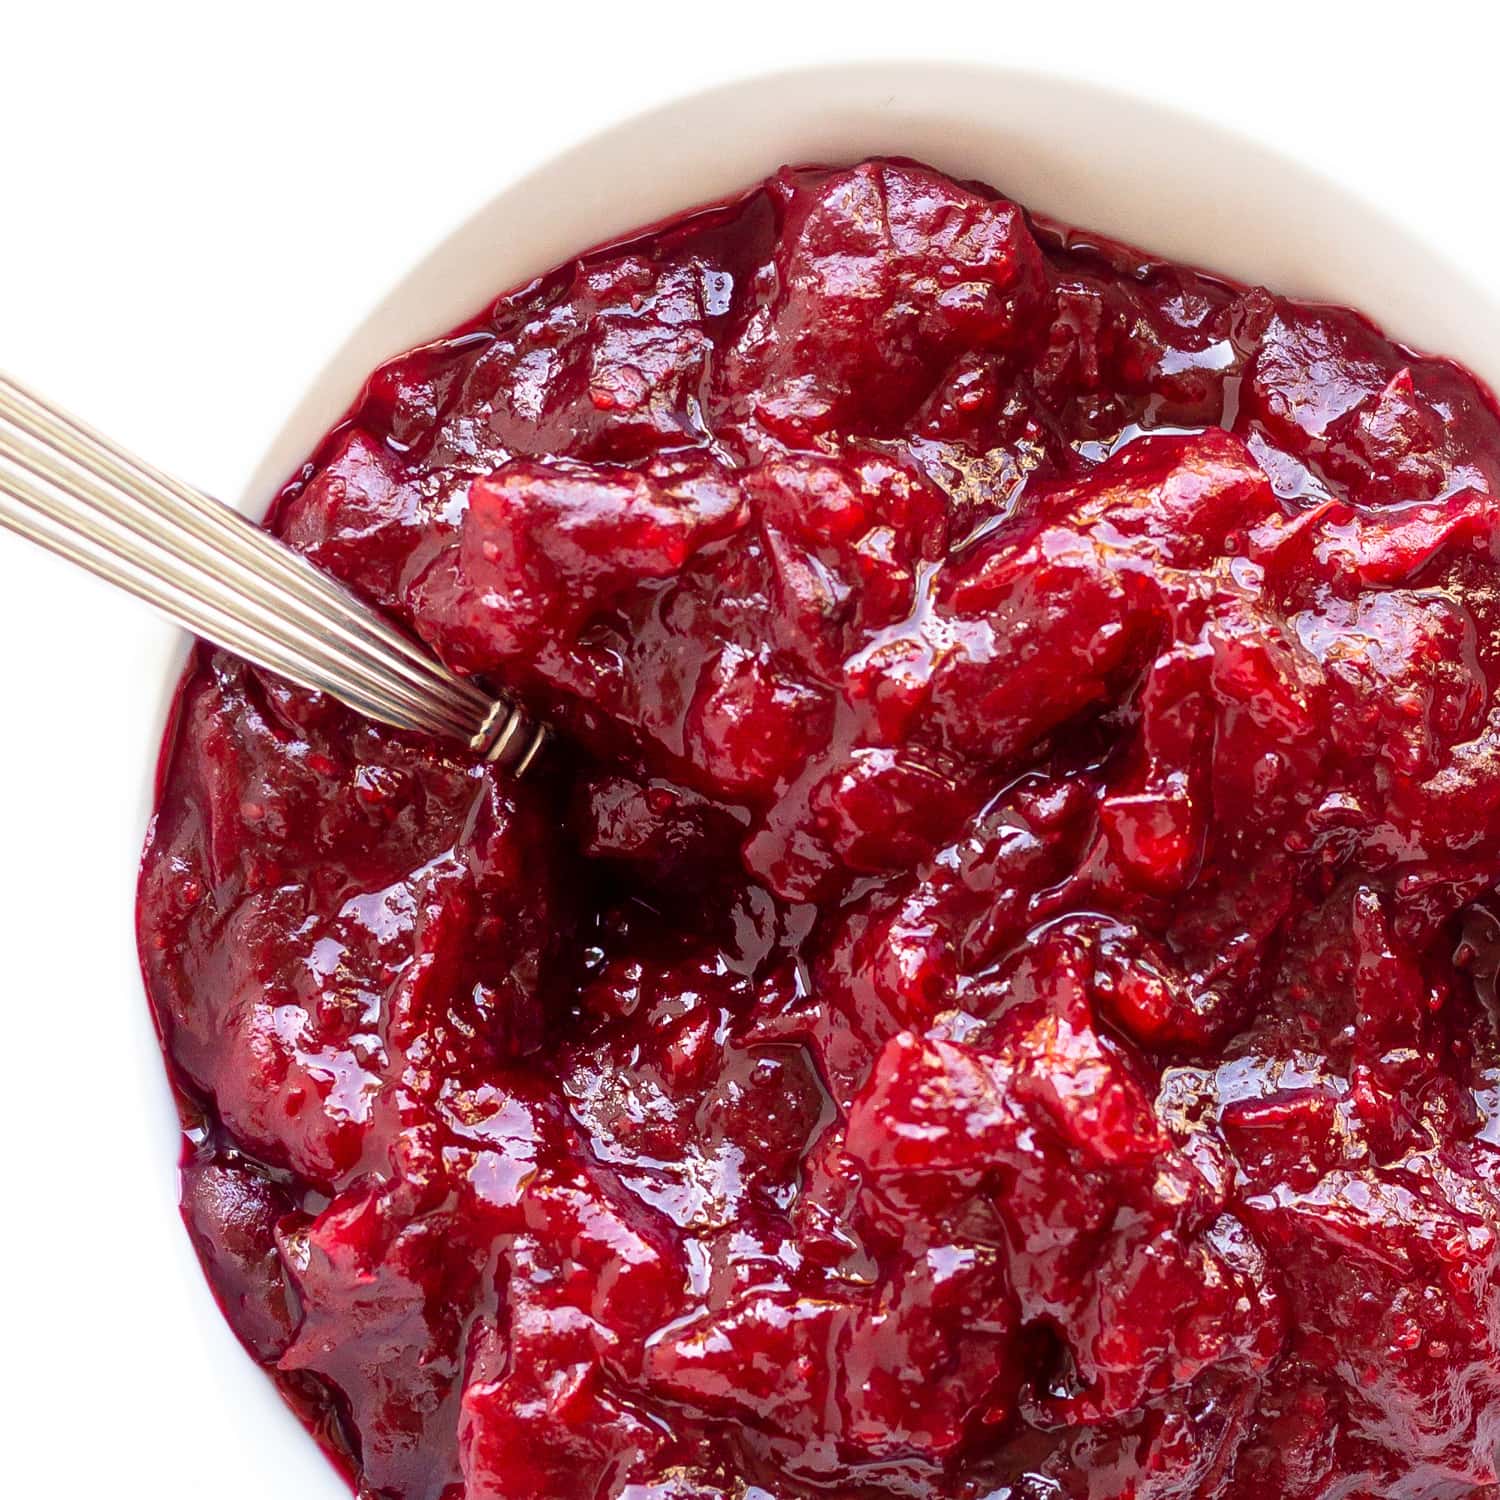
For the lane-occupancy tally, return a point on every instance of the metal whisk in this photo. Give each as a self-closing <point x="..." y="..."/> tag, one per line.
<point x="210" y="570"/>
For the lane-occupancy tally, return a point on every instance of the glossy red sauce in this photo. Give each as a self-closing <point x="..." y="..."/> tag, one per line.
<point x="993" y="991"/>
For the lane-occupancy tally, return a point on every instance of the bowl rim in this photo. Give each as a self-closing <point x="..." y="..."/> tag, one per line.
<point x="880" y="82"/>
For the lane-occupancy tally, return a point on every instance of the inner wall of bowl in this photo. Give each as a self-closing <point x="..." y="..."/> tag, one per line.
<point x="1107" y="161"/>
<point x="1169" y="182"/>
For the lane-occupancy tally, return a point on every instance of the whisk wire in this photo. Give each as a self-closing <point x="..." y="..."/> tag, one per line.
<point x="233" y="536"/>
<point x="212" y="571"/>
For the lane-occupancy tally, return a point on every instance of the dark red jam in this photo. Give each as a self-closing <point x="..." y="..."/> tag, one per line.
<point x="992" y="994"/>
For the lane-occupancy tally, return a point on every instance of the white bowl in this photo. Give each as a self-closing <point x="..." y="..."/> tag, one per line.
<point x="1105" y="160"/>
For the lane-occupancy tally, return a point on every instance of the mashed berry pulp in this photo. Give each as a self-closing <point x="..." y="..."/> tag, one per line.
<point x="992" y="993"/>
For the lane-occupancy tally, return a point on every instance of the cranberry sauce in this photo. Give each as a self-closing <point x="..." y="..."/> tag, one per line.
<point x="992" y="993"/>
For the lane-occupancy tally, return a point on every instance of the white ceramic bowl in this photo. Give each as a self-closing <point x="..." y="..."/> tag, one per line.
<point x="1105" y="160"/>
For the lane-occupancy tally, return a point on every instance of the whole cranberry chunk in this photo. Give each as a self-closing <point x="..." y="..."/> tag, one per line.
<point x="361" y="518"/>
<point x="883" y="273"/>
<point x="547" y="545"/>
<point x="232" y="1216"/>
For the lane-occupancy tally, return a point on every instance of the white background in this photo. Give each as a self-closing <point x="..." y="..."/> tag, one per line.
<point x="196" y="203"/>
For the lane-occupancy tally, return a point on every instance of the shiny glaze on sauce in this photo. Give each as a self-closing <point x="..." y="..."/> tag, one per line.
<point x="992" y="993"/>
